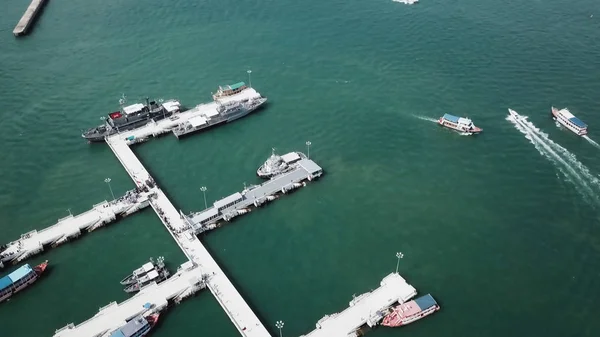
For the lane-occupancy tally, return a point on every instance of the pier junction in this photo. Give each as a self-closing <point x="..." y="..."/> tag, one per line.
<point x="201" y="270"/>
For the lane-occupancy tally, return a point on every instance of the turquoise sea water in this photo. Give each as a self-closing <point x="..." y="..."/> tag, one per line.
<point x="505" y="235"/>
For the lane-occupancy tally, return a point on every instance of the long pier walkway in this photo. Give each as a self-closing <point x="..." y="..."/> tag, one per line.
<point x="221" y="287"/>
<point x="70" y="227"/>
<point x="29" y="17"/>
<point x="185" y="282"/>
<point x="368" y="308"/>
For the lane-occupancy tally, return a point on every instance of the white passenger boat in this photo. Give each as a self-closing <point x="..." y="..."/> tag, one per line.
<point x="568" y="120"/>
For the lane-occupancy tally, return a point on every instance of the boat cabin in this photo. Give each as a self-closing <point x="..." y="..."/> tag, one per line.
<point x="458" y="123"/>
<point x="290" y="158"/>
<point x="569" y="120"/>
<point x="230" y="90"/>
<point x="148" y="266"/>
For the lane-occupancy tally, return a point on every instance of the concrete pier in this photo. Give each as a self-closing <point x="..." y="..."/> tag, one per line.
<point x="71" y="227"/>
<point x="178" y="227"/>
<point x="187" y="281"/>
<point x="29" y="17"/>
<point x="255" y="195"/>
<point x="368" y="308"/>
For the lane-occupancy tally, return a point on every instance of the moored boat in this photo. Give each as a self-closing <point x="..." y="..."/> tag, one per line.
<point x="141" y="271"/>
<point x="227" y="111"/>
<point x="137" y="327"/>
<point x="277" y="164"/>
<point x="568" y="120"/>
<point x="20" y="279"/>
<point x="411" y="311"/>
<point x="131" y="117"/>
<point x="459" y="124"/>
<point x="146" y="274"/>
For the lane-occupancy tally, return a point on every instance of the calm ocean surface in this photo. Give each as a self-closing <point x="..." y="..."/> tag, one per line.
<point x="504" y="231"/>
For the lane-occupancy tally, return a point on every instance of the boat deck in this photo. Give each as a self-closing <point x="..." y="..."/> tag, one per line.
<point x="221" y="287"/>
<point x="71" y="226"/>
<point x="184" y="283"/>
<point x="303" y="170"/>
<point x="154" y="129"/>
<point x="367" y="308"/>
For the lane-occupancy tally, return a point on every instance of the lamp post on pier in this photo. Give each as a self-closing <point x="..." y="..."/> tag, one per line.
<point x="203" y="189"/>
<point x="399" y="255"/>
<point x="249" y="78"/>
<point x="308" y="148"/>
<point x="107" y="181"/>
<point x="279" y="325"/>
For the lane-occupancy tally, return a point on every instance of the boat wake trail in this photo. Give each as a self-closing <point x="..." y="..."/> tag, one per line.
<point x="574" y="171"/>
<point x="429" y="119"/>
<point x="591" y="141"/>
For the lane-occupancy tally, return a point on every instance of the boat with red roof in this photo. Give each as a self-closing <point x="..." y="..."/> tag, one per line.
<point x="20" y="279"/>
<point x="459" y="124"/>
<point x="411" y="311"/>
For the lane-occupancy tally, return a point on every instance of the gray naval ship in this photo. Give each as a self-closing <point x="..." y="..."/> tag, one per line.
<point x="131" y="117"/>
<point x="277" y="164"/>
<point x="225" y="113"/>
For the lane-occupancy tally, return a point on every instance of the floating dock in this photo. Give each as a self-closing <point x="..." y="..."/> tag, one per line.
<point x="177" y="225"/>
<point x="154" y="297"/>
<point x="70" y="227"/>
<point x="29" y="17"/>
<point x="366" y="309"/>
<point x="256" y="195"/>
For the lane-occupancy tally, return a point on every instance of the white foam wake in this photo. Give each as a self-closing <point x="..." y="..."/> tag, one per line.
<point x="573" y="170"/>
<point x="591" y="141"/>
<point x="425" y="118"/>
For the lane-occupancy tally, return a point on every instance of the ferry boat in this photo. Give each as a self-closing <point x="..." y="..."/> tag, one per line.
<point x="278" y="164"/>
<point x="568" y="120"/>
<point x="230" y="90"/>
<point x="459" y="124"/>
<point x="137" y="327"/>
<point x="143" y="270"/>
<point x="20" y="279"/>
<point x="411" y="311"/>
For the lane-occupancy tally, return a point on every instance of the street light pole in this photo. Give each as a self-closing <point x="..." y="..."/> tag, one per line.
<point x="203" y="189"/>
<point x="69" y="210"/>
<point x="107" y="181"/>
<point x="308" y="148"/>
<point x="399" y="255"/>
<point x="249" y="78"/>
<point x="279" y="325"/>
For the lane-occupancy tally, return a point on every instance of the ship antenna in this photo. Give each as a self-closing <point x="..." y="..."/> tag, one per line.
<point x="147" y="102"/>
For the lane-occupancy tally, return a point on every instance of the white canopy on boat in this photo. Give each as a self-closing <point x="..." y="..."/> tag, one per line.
<point x="148" y="266"/>
<point x="290" y="157"/>
<point x="133" y="108"/>
<point x="197" y="121"/>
